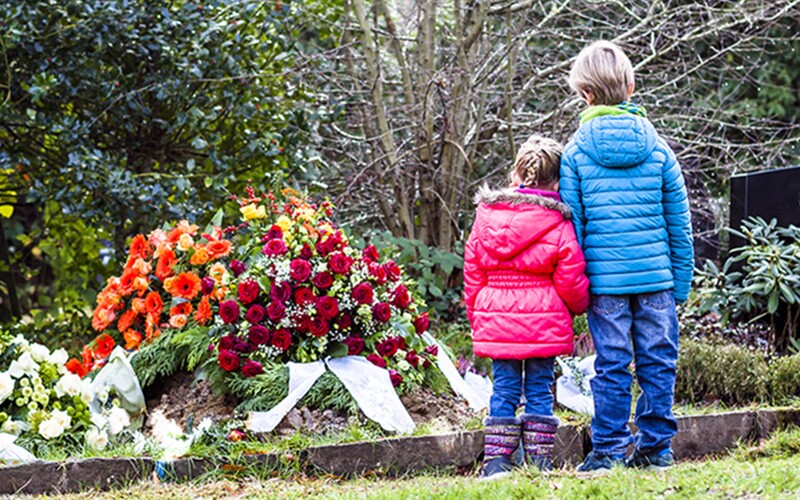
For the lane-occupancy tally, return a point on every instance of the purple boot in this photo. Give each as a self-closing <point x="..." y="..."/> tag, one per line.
<point x="501" y="438"/>
<point x="538" y="438"/>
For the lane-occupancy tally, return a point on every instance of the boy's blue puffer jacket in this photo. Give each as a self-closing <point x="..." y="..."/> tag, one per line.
<point x="629" y="205"/>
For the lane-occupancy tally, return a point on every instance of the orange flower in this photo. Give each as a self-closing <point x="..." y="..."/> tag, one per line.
<point x="104" y="344"/>
<point x="102" y="317"/>
<point x="178" y="321"/>
<point x="183" y="308"/>
<point x="203" y="313"/>
<point x="87" y="357"/>
<point x="151" y="329"/>
<point x="76" y="367"/>
<point x="126" y="281"/>
<point x="153" y="304"/>
<point x="185" y="285"/>
<point x="199" y="257"/>
<point x="140" y="248"/>
<point x="138" y="306"/>
<point x="218" y="272"/>
<point x="133" y="339"/>
<point x="126" y="320"/>
<point x="142" y="267"/>
<point x="219" y="249"/>
<point x="157" y="238"/>
<point x="140" y="284"/>
<point x="164" y="264"/>
<point x="219" y="293"/>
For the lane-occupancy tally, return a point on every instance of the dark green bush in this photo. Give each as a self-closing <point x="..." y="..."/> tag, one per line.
<point x="709" y="371"/>
<point x="785" y="378"/>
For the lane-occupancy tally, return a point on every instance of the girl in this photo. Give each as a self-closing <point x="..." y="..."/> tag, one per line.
<point x="523" y="275"/>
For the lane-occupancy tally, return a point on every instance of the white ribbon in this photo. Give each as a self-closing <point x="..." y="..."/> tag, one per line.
<point x="12" y="452"/>
<point x="450" y="372"/>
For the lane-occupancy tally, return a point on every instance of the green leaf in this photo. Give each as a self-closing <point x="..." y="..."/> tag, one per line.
<point x="772" y="304"/>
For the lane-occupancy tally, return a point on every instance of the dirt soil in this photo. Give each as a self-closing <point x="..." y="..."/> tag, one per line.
<point x="183" y="400"/>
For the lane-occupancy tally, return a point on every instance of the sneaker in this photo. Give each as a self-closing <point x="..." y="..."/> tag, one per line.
<point x="597" y="464"/>
<point x="497" y="468"/>
<point x="653" y="460"/>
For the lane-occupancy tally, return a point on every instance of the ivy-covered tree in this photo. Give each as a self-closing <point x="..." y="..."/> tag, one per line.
<point x="116" y="115"/>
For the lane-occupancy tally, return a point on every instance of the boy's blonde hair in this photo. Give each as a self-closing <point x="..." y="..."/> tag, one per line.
<point x="603" y="69"/>
<point x="538" y="161"/>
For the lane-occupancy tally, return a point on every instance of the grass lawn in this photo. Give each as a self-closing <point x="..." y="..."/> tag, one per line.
<point x="765" y="471"/>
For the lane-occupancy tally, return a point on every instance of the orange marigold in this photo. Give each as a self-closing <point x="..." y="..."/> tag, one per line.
<point x="185" y="285"/>
<point x="153" y="304"/>
<point x="140" y="248"/>
<point x="199" y="257"/>
<point x="164" y="264"/>
<point x="203" y="312"/>
<point x="218" y="249"/>
<point x="126" y="320"/>
<point x="133" y="339"/>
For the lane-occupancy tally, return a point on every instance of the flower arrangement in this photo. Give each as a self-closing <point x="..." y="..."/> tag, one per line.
<point x="301" y="291"/>
<point x="172" y="278"/>
<point x="38" y="396"/>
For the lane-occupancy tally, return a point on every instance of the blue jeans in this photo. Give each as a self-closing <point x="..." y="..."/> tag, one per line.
<point x="508" y="384"/>
<point x="643" y="327"/>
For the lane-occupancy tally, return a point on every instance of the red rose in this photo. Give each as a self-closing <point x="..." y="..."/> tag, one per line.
<point x="378" y="272"/>
<point x="274" y="248"/>
<point x="339" y="263"/>
<point x="381" y="312"/>
<point x="248" y="291"/>
<point x="376" y="360"/>
<point x="344" y="321"/>
<point x="412" y="358"/>
<point x="318" y="326"/>
<point x="259" y="335"/>
<point x="392" y="270"/>
<point x="327" y="307"/>
<point x="354" y="345"/>
<point x="324" y="247"/>
<point x="281" y="338"/>
<point x="228" y="360"/>
<point x="237" y="267"/>
<point x="306" y="252"/>
<point x="280" y="291"/>
<point x="426" y="363"/>
<point x="387" y="348"/>
<point x="302" y="322"/>
<point x="433" y="350"/>
<point x="240" y="345"/>
<point x="276" y="311"/>
<point x="299" y="270"/>
<point x="226" y="343"/>
<point x="395" y="377"/>
<point x="370" y="254"/>
<point x="255" y="313"/>
<point x="229" y="311"/>
<point x="274" y="232"/>
<point x="401" y="297"/>
<point x="323" y="280"/>
<point x="303" y="296"/>
<point x="252" y="368"/>
<point x="401" y="342"/>
<point x="362" y="293"/>
<point x="421" y="323"/>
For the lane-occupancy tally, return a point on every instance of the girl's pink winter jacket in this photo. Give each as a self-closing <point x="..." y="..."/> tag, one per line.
<point x="523" y="275"/>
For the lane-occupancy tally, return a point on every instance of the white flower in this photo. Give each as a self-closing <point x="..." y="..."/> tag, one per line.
<point x="59" y="358"/>
<point x="70" y="384"/>
<point x="39" y="353"/>
<point x="15" y="427"/>
<point x="25" y="365"/>
<point x="62" y="417"/>
<point x="96" y="438"/>
<point x="118" y="419"/>
<point x="20" y="340"/>
<point x="6" y="386"/>
<point x="87" y="393"/>
<point x="99" y="420"/>
<point x="51" y="428"/>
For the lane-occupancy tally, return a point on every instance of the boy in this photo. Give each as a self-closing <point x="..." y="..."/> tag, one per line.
<point x="631" y="215"/>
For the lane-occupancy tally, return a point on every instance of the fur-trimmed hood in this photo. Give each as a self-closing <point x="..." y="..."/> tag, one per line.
<point x="513" y="196"/>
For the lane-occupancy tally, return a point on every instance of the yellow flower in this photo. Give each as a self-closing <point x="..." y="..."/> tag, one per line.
<point x="252" y="211"/>
<point x="185" y="242"/>
<point x="284" y="223"/>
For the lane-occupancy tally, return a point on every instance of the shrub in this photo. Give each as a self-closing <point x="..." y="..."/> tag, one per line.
<point x="785" y="378"/>
<point x="710" y="371"/>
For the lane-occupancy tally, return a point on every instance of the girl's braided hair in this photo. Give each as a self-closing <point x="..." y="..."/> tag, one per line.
<point x="538" y="162"/>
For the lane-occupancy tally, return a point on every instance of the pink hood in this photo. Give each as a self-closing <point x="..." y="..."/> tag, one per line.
<point x="523" y="274"/>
